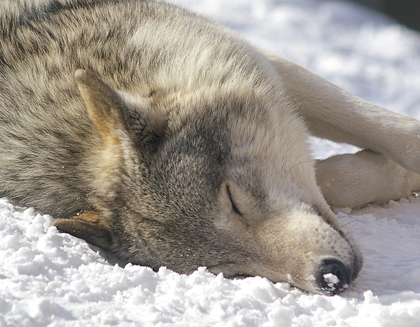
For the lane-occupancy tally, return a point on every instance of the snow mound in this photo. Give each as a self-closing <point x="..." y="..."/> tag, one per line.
<point x="52" y="279"/>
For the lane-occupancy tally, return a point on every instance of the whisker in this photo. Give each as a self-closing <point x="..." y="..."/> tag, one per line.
<point x="300" y="163"/>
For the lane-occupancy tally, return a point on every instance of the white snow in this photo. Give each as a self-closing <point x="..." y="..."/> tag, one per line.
<point x="51" y="279"/>
<point x="331" y="279"/>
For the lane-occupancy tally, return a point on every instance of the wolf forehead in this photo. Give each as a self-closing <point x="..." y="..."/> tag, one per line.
<point x="197" y="156"/>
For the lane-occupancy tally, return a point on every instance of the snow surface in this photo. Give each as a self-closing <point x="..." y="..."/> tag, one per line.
<point x="51" y="279"/>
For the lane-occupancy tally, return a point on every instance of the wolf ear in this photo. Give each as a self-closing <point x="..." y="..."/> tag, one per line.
<point x="111" y="110"/>
<point x="89" y="226"/>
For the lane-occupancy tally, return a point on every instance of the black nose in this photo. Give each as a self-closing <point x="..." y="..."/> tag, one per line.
<point x="333" y="277"/>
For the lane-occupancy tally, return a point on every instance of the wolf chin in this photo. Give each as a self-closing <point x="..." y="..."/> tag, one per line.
<point x="164" y="139"/>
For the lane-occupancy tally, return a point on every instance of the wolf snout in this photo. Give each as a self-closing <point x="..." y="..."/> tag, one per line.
<point x="333" y="277"/>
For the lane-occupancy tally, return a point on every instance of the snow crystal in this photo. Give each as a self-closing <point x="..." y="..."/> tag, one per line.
<point x="331" y="279"/>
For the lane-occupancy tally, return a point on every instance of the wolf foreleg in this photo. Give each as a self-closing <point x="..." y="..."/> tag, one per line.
<point x="332" y="113"/>
<point x="352" y="180"/>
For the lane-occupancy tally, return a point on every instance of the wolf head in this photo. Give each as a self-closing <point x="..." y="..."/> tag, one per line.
<point x="217" y="180"/>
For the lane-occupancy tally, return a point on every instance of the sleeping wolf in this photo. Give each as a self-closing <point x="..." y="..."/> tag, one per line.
<point x="165" y="139"/>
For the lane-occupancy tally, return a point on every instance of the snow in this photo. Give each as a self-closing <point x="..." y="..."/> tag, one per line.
<point x="331" y="279"/>
<point x="52" y="279"/>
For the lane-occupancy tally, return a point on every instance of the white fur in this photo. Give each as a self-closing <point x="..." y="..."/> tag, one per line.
<point x="389" y="170"/>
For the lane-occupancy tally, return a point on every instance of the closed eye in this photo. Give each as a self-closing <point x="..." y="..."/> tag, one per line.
<point x="234" y="206"/>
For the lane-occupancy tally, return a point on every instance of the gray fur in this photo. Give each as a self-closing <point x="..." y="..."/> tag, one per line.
<point x="175" y="161"/>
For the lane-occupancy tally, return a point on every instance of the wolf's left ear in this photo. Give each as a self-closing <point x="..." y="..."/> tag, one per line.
<point x="111" y="110"/>
<point x="89" y="226"/>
